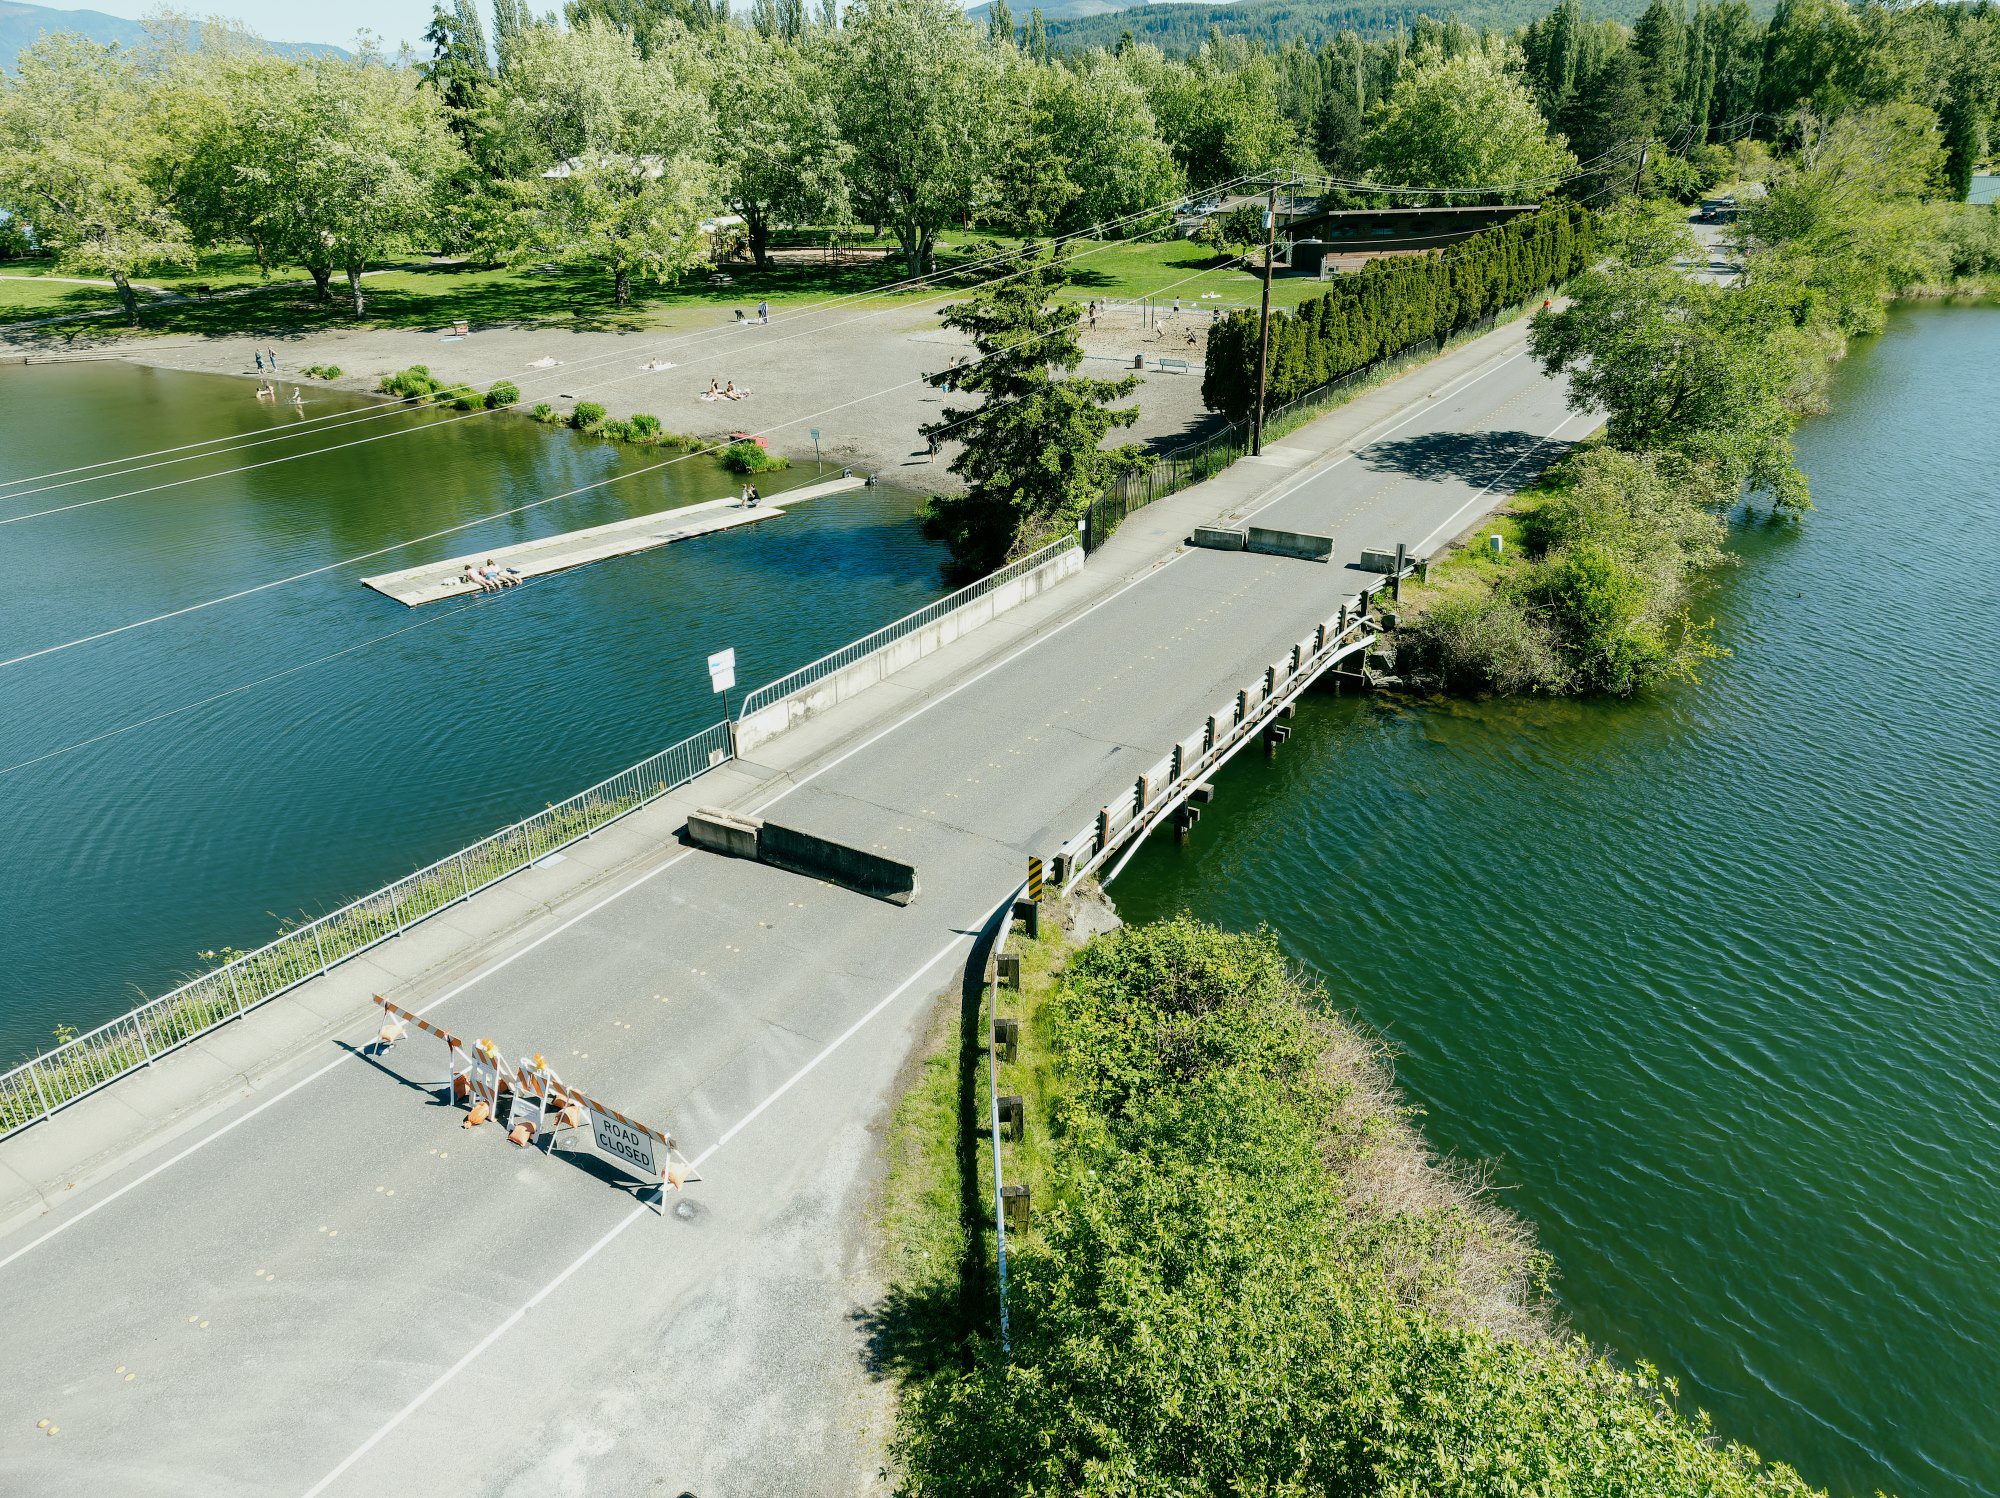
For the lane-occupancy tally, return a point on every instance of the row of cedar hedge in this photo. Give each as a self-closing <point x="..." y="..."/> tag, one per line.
<point x="1392" y="303"/>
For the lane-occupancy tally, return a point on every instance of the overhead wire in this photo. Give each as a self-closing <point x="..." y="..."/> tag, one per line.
<point x="360" y="645"/>
<point x="340" y="420"/>
<point x="205" y="604"/>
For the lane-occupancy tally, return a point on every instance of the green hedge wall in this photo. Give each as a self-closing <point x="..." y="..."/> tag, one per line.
<point x="1392" y="303"/>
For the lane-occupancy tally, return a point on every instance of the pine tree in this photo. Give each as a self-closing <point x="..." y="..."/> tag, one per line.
<point x="1000" y="23"/>
<point x="1032" y="458"/>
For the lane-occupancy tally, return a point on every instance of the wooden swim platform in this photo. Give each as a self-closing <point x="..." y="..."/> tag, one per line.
<point x="436" y="581"/>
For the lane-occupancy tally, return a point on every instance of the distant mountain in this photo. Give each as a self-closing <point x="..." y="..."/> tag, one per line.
<point x="22" y="25"/>
<point x="1075" y="25"/>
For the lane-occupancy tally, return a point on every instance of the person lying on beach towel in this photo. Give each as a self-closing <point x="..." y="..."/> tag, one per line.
<point x="732" y="393"/>
<point x="545" y="362"/>
<point x="658" y="364"/>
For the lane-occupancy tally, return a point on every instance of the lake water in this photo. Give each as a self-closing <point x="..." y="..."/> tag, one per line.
<point x="127" y="856"/>
<point x="1714" y="977"/>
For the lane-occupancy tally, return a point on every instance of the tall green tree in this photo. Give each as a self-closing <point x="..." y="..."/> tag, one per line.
<point x="1964" y="140"/>
<point x="337" y="163"/>
<point x="1465" y="121"/>
<point x="459" y="68"/>
<point x="1683" y="367"/>
<point x="1033" y="456"/>
<point x="606" y="155"/>
<point x="916" y="89"/>
<point x="84" y="161"/>
<point x="779" y="155"/>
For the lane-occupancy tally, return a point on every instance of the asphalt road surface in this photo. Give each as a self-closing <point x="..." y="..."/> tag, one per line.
<point x="331" y="1288"/>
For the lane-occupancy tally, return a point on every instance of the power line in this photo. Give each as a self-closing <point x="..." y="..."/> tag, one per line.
<point x="241" y="593"/>
<point x="338" y="420"/>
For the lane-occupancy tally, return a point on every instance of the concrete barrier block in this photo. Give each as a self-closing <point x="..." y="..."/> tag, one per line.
<point x="1300" y="544"/>
<point x="1217" y="538"/>
<point x="837" y="863"/>
<point x="726" y="832"/>
<point x="1375" y="559"/>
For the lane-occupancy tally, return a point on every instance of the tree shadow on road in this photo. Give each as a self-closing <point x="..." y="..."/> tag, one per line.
<point x="1472" y="457"/>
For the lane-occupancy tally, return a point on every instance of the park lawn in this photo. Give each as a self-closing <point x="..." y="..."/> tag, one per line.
<point x="433" y="295"/>
<point x="1123" y="270"/>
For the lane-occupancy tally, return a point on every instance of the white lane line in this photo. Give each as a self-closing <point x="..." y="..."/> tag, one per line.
<point x="515" y="1316"/>
<point x="1451" y="519"/>
<point x="310" y="1077"/>
<point x="618" y="894"/>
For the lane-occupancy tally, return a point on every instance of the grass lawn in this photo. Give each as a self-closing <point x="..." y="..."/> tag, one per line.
<point x="936" y="1219"/>
<point x="425" y="295"/>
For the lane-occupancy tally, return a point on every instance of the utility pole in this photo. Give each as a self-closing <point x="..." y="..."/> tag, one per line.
<point x="1264" y="335"/>
<point x="1639" y="176"/>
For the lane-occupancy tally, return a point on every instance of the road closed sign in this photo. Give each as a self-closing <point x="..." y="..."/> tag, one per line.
<point x="627" y="1142"/>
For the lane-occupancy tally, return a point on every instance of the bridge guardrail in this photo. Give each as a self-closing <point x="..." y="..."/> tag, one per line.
<point x="889" y="634"/>
<point x="80" y="1066"/>
<point x="1154" y="795"/>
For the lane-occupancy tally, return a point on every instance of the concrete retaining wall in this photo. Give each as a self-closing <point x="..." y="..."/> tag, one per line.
<point x="769" y="722"/>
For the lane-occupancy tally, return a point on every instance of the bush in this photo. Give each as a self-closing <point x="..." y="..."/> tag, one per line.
<point x="503" y="393"/>
<point x="748" y="457"/>
<point x="545" y="413"/>
<point x="1481" y="639"/>
<point x="614" y="429"/>
<point x="586" y="416"/>
<point x="644" y="428"/>
<point x="323" y="371"/>
<point x="1209" y="1304"/>
<point x="1391" y="304"/>
<point x="413" y="384"/>
<point x="468" y="400"/>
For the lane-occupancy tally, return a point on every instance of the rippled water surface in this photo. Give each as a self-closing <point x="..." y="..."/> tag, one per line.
<point x="440" y="724"/>
<point x="1715" y="977"/>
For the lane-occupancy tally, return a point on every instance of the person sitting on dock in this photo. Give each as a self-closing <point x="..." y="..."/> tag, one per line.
<point x="472" y="574"/>
<point x="501" y="577"/>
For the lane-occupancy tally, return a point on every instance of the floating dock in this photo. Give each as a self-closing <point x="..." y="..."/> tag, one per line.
<point x="436" y="581"/>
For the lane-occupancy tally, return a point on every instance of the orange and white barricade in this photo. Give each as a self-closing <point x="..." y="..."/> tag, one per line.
<point x="640" y="1148"/>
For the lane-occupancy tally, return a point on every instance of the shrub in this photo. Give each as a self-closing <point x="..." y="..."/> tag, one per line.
<point x="615" y="429"/>
<point x="586" y="416"/>
<point x="644" y="428"/>
<point x="468" y="400"/>
<point x="323" y="371"/>
<point x="544" y="412"/>
<point x="413" y="384"/>
<point x="503" y="393"/>
<point x="748" y="457"/>
<point x="1481" y="639"/>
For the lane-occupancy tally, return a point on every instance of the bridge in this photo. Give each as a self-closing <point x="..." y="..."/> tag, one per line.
<point x="272" y="1262"/>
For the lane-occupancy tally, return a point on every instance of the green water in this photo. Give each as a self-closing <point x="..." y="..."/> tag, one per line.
<point x="1714" y="977"/>
<point x="125" y="857"/>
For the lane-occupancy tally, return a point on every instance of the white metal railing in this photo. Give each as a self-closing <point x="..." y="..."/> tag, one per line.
<point x="1125" y="822"/>
<point x="78" y="1067"/>
<point x="889" y="634"/>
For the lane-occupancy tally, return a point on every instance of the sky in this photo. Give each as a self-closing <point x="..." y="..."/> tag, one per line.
<point x="335" y="21"/>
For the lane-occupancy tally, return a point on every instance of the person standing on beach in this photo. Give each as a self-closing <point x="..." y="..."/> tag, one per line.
<point x="260" y="360"/>
<point x="272" y="355"/>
